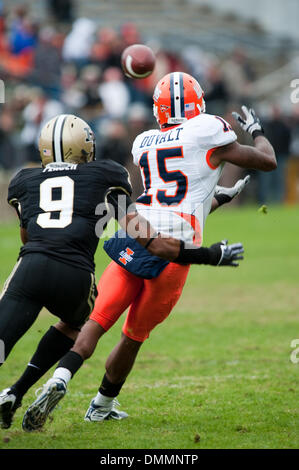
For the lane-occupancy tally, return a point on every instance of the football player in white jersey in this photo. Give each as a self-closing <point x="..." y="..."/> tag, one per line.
<point x="181" y="163"/>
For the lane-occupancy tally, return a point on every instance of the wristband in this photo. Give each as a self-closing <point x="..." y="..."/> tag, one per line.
<point x="222" y="198"/>
<point x="257" y="133"/>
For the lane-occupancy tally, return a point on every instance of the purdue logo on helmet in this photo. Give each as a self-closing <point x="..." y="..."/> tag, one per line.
<point x="66" y="138"/>
<point x="177" y="98"/>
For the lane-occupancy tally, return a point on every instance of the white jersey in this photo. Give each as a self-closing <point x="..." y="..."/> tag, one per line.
<point x="178" y="177"/>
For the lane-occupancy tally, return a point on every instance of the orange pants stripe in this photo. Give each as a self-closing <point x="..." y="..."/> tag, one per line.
<point x="150" y="300"/>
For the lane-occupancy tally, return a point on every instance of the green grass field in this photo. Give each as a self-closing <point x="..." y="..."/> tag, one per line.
<point x="216" y="374"/>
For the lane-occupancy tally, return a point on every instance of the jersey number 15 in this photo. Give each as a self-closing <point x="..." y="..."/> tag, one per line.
<point x="173" y="176"/>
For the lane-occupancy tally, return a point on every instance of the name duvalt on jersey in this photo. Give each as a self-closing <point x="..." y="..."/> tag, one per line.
<point x="179" y="179"/>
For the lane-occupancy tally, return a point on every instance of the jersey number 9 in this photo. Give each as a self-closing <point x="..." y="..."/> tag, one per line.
<point x="62" y="205"/>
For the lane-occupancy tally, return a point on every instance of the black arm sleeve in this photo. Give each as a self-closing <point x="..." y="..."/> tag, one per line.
<point x="15" y="194"/>
<point x="191" y="255"/>
<point x="120" y="201"/>
<point x="16" y="205"/>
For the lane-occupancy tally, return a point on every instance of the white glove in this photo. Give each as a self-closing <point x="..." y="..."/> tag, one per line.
<point x="224" y="195"/>
<point x="250" y="123"/>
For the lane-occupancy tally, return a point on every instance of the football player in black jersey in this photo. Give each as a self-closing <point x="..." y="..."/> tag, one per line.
<point x="57" y="205"/>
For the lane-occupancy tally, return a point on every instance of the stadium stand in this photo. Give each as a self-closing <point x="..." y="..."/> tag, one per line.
<point x="235" y="60"/>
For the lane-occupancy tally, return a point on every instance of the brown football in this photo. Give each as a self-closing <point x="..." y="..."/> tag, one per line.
<point x="138" y="61"/>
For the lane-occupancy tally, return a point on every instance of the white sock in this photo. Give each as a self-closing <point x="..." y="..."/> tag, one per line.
<point x="62" y="373"/>
<point x="102" y="400"/>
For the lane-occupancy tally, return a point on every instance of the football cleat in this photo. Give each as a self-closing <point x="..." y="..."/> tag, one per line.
<point x="177" y="98"/>
<point x="36" y="415"/>
<point x="104" y="413"/>
<point x="8" y="407"/>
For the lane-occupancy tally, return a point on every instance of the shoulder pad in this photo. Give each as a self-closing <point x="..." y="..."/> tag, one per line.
<point x="140" y="137"/>
<point x="114" y="174"/>
<point x="212" y="131"/>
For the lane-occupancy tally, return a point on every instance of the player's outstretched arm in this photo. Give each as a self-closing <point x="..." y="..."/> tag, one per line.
<point x="260" y="157"/>
<point x="218" y="254"/>
<point x="171" y="249"/>
<point x="225" y="195"/>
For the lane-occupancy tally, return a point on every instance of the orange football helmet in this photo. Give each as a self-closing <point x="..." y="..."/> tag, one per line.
<point x="177" y="98"/>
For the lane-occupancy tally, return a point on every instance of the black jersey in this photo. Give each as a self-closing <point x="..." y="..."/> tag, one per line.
<point x="57" y="207"/>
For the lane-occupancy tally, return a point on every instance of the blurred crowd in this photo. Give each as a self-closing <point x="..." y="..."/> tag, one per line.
<point x="70" y="65"/>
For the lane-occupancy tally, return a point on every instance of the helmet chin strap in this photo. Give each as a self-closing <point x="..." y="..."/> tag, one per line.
<point x="93" y="150"/>
<point x="155" y="113"/>
<point x="202" y="109"/>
